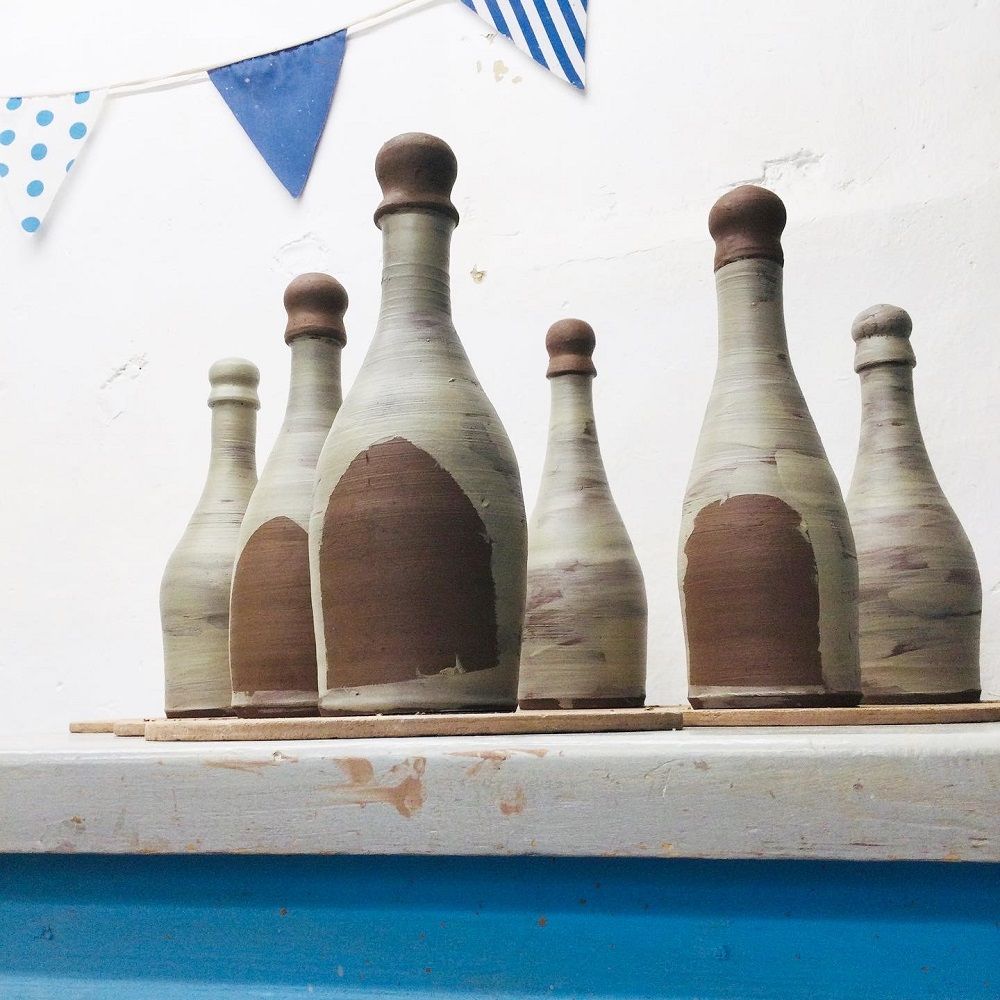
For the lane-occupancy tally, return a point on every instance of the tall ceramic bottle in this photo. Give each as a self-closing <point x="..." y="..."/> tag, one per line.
<point x="767" y="567"/>
<point x="417" y="542"/>
<point x="272" y="645"/>
<point x="921" y="598"/>
<point x="194" y="592"/>
<point x="585" y="617"/>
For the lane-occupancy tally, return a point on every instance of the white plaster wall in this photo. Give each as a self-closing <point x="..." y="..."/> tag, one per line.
<point x="172" y="243"/>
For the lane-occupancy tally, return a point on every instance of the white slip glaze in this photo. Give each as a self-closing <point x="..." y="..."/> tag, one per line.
<point x="758" y="438"/>
<point x="585" y="618"/>
<point x="417" y="383"/>
<point x="194" y="592"/>
<point x="921" y="596"/>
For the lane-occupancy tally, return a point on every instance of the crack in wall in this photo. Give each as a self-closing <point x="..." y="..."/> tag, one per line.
<point x="780" y="167"/>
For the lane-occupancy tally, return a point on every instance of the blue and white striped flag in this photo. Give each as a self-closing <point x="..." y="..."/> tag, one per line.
<point x="552" y="32"/>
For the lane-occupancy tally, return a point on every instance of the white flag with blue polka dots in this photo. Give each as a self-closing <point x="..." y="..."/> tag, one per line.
<point x="40" y="139"/>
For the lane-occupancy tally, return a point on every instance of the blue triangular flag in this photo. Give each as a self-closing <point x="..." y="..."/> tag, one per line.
<point x="282" y="101"/>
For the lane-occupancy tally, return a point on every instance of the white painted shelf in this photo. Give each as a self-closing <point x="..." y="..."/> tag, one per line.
<point x="867" y="792"/>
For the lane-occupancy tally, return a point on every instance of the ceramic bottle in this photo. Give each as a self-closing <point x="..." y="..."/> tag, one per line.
<point x="272" y="645"/>
<point x="767" y="568"/>
<point x="194" y="592"/>
<point x="585" y="618"/>
<point x="921" y="598"/>
<point x="417" y="541"/>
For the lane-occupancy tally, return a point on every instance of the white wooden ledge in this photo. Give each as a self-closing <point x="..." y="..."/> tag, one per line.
<point x="921" y="792"/>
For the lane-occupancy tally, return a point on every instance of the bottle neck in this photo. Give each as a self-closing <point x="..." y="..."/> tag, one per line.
<point x="573" y="451"/>
<point x="415" y="264"/>
<point x="751" y="312"/>
<point x="234" y="439"/>
<point x="314" y="388"/>
<point x="890" y="430"/>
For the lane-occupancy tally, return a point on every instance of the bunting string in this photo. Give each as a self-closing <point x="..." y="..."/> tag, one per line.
<point x="198" y="74"/>
<point x="281" y="98"/>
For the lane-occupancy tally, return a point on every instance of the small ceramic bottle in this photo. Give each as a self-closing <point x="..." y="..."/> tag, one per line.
<point x="417" y="541"/>
<point x="272" y="645"/>
<point x="921" y="599"/>
<point x="585" y="618"/>
<point x="194" y="592"/>
<point x="767" y="567"/>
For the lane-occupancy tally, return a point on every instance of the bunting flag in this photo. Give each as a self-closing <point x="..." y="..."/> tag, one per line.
<point x="552" y="32"/>
<point x="282" y="100"/>
<point x="40" y="140"/>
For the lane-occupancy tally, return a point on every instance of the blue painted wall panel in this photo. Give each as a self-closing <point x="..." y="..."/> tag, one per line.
<point x="96" y="927"/>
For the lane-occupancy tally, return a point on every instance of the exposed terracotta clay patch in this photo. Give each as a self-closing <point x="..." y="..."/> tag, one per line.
<point x="539" y="596"/>
<point x="751" y="596"/>
<point x="358" y="770"/>
<point x="513" y="806"/>
<point x="272" y="644"/>
<point x="407" y="586"/>
<point x="249" y="766"/>
<point x="494" y="758"/>
<point x="406" y="796"/>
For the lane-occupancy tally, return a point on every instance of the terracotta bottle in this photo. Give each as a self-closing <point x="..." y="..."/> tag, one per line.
<point x="767" y="567"/>
<point x="921" y="599"/>
<point x="585" y="618"/>
<point x="194" y="593"/>
<point x="272" y="645"/>
<point x="417" y="541"/>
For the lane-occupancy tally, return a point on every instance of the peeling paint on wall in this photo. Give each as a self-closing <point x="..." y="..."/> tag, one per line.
<point x="115" y="392"/>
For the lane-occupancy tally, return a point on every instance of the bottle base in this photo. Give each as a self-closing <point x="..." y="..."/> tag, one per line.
<point x="569" y="704"/>
<point x="275" y="704"/>
<point x="832" y="699"/>
<point x="930" y="698"/>
<point x="199" y="713"/>
<point x="282" y="712"/>
<point x="395" y="710"/>
<point x="491" y="690"/>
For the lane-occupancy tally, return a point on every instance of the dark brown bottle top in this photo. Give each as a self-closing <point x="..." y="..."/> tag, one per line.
<point x="747" y="222"/>
<point x="316" y="304"/>
<point x="570" y="343"/>
<point x="882" y="334"/>
<point x="416" y="172"/>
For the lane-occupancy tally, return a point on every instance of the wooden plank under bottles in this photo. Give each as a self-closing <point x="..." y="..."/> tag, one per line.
<point x="623" y="720"/>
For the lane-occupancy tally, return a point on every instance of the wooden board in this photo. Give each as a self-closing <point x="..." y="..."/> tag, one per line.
<point x="864" y="715"/>
<point x="624" y="720"/>
<point x="130" y="727"/>
<point x="93" y="726"/>
<point x="120" y="727"/>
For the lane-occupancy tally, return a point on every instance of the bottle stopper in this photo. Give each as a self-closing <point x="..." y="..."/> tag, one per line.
<point x="234" y="380"/>
<point x="416" y="172"/>
<point x="882" y="336"/>
<point x="316" y="304"/>
<point x="747" y="222"/>
<point x="570" y="343"/>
